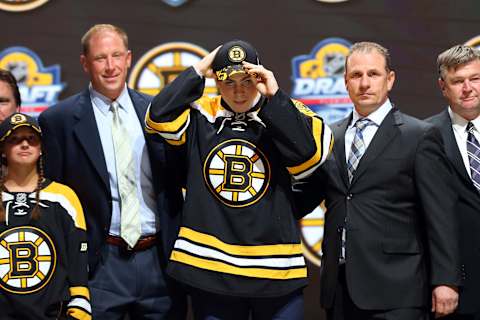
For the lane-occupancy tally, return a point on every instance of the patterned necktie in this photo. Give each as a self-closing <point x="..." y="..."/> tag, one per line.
<point x="130" y="228"/>
<point x="473" y="151"/>
<point x="358" y="147"/>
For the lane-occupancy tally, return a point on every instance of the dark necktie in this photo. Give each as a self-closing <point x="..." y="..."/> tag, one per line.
<point x="473" y="151"/>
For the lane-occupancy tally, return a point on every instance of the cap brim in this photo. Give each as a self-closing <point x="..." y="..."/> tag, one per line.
<point x="25" y="124"/>
<point x="229" y="71"/>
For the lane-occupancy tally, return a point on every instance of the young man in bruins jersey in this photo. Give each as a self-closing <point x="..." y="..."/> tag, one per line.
<point x="238" y="249"/>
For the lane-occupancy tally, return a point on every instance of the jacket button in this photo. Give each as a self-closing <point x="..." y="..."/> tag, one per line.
<point x="349" y="196"/>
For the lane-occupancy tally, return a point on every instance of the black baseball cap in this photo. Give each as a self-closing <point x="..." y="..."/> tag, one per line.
<point x="16" y="121"/>
<point x="229" y="58"/>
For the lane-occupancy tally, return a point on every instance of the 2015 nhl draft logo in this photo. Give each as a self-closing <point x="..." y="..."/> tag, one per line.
<point x="474" y="42"/>
<point x="318" y="79"/>
<point x="39" y="86"/>
<point x="20" y="5"/>
<point x="162" y="64"/>
<point x="237" y="173"/>
<point x="27" y="259"/>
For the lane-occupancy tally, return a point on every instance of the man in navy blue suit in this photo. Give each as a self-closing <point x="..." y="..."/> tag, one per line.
<point x="95" y="143"/>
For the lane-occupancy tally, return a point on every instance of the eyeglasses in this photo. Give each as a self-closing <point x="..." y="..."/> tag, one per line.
<point x="32" y="139"/>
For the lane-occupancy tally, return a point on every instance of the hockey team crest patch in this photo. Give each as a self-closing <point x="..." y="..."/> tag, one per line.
<point x="237" y="173"/>
<point x="27" y="259"/>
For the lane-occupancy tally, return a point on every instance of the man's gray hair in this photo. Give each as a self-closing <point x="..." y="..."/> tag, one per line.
<point x="454" y="57"/>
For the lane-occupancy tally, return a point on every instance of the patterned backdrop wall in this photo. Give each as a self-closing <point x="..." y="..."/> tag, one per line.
<point x="303" y="41"/>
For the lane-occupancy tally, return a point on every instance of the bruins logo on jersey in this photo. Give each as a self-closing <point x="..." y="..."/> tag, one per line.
<point x="27" y="259"/>
<point x="237" y="173"/>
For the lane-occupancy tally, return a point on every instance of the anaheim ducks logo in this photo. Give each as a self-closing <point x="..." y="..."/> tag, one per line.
<point x="237" y="173"/>
<point x="27" y="260"/>
<point x="162" y="64"/>
<point x="20" y="5"/>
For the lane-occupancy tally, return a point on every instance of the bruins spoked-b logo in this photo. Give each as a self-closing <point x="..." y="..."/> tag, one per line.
<point x="237" y="173"/>
<point x="27" y="260"/>
<point x="236" y="54"/>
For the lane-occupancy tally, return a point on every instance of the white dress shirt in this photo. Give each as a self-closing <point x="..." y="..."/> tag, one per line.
<point x="369" y="132"/>
<point x="459" y="125"/>
<point x="143" y="172"/>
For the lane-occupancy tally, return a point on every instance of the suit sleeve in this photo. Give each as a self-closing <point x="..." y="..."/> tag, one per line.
<point x="169" y="113"/>
<point x="52" y="153"/>
<point x="433" y="178"/>
<point x="301" y="136"/>
<point x="79" y="305"/>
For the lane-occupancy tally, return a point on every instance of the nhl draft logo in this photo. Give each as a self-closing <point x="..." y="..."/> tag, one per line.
<point x="474" y="42"/>
<point x="27" y="260"/>
<point x="20" y="5"/>
<point x="162" y="64"/>
<point x="318" y="79"/>
<point x="39" y="86"/>
<point x="237" y="173"/>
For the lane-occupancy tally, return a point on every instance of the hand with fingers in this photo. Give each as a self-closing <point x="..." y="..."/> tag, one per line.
<point x="444" y="300"/>
<point x="204" y="66"/>
<point x="266" y="82"/>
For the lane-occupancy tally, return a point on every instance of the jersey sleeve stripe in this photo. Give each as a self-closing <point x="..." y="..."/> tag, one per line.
<point x="67" y="198"/>
<point x="172" y="127"/>
<point x="323" y="139"/>
<point x="80" y="291"/>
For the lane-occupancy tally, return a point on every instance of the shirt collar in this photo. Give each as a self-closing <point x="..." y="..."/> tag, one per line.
<point x="376" y="116"/>
<point x="103" y="103"/>
<point x="459" y="123"/>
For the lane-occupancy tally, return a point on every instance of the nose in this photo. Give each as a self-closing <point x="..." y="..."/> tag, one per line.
<point x="467" y="86"/>
<point x="109" y="64"/>
<point x="365" y="81"/>
<point x="238" y="88"/>
<point x="24" y="143"/>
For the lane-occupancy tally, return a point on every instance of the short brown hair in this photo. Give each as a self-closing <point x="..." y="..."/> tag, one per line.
<point x="7" y="77"/>
<point x="456" y="56"/>
<point x="367" y="47"/>
<point x="102" y="28"/>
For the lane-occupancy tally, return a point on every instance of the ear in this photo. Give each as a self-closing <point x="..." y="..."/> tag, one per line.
<point x="390" y="79"/>
<point x="84" y="63"/>
<point x="129" y="58"/>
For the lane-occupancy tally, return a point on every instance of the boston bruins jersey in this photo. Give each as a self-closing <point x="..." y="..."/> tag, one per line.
<point x="43" y="262"/>
<point x="239" y="235"/>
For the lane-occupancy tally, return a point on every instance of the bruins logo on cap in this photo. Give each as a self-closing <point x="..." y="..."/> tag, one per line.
<point x="18" y="119"/>
<point x="27" y="260"/>
<point x="236" y="54"/>
<point x="237" y="173"/>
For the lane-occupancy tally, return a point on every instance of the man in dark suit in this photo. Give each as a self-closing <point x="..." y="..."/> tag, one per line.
<point x="95" y="143"/>
<point x="389" y="246"/>
<point x="459" y="124"/>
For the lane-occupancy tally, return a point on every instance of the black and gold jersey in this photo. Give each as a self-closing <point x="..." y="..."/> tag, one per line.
<point x="239" y="235"/>
<point x="43" y="262"/>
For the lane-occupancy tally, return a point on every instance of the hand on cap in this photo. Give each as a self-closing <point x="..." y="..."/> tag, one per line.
<point x="266" y="82"/>
<point x="204" y="66"/>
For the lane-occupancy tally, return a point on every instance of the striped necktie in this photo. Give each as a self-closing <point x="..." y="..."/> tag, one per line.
<point x="473" y="151"/>
<point x="358" y="146"/>
<point x="130" y="227"/>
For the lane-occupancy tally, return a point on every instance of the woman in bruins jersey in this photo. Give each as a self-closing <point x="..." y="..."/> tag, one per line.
<point x="238" y="248"/>
<point x="43" y="249"/>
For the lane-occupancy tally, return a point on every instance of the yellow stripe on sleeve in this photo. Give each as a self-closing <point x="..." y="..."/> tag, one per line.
<point x="80" y="291"/>
<point x="168" y="127"/>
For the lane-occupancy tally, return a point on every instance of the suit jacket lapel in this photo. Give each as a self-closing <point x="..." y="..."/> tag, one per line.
<point x="87" y="134"/>
<point x="339" y="147"/>
<point x="140" y="104"/>
<point x="385" y="133"/>
<point x="451" y="147"/>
